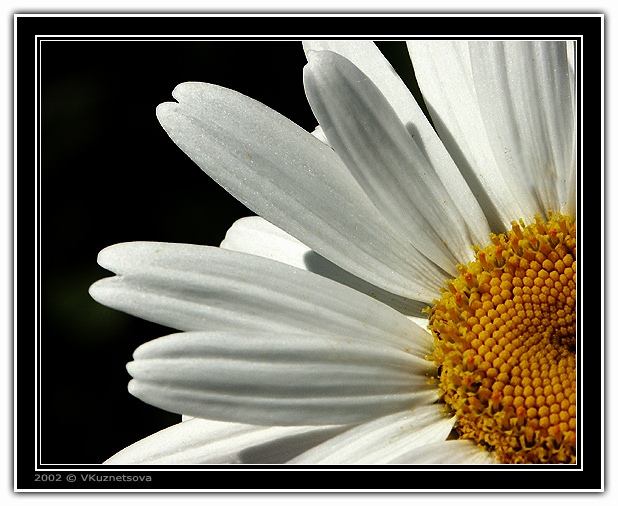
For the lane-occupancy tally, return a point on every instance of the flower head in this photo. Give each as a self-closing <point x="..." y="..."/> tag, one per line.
<point x="407" y="294"/>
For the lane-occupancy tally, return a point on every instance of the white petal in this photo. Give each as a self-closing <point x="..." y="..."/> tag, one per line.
<point x="199" y="441"/>
<point x="191" y="287"/>
<point x="383" y="440"/>
<point x="279" y="378"/>
<point x="570" y="50"/>
<point x="367" y="57"/>
<point x="295" y="181"/>
<point x="256" y="236"/>
<point x="524" y="90"/>
<point x="369" y="137"/>
<point x="571" y="191"/>
<point x="470" y="103"/>
<point x="444" y="73"/>
<point x="318" y="133"/>
<point x="447" y="452"/>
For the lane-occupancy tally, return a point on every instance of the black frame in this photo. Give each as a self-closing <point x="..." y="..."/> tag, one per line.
<point x="33" y="34"/>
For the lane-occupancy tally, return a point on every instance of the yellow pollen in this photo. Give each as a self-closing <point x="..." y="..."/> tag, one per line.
<point x="504" y="334"/>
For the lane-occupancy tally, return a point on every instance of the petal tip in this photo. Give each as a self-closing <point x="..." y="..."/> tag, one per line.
<point x="103" y="291"/>
<point x="134" y="386"/>
<point x="96" y="289"/>
<point x="108" y="257"/>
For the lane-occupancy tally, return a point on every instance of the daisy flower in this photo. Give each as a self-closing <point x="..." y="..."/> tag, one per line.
<point x="406" y="294"/>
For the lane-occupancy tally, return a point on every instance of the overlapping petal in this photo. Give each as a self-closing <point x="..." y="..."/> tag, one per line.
<point x="440" y="217"/>
<point x="256" y="236"/>
<point x="460" y="451"/>
<point x="365" y="55"/>
<point x="296" y="182"/>
<point x="190" y="287"/>
<point x="199" y="441"/>
<point x="383" y="440"/>
<point x="504" y="111"/>
<point x="525" y="93"/>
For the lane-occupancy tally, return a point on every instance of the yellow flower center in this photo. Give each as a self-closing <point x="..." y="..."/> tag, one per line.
<point x="504" y="334"/>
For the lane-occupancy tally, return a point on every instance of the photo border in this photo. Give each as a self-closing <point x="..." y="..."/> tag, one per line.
<point x="32" y="30"/>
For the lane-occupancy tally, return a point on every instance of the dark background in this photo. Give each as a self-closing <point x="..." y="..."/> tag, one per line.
<point x="109" y="174"/>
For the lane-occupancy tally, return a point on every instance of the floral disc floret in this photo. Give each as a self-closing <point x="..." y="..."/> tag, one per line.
<point x="505" y="344"/>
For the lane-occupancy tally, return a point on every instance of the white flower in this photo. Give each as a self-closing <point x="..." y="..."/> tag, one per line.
<point x="300" y="346"/>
